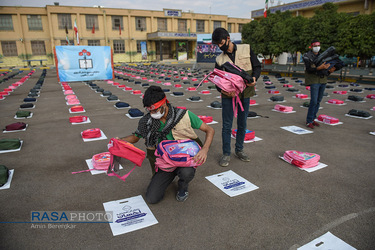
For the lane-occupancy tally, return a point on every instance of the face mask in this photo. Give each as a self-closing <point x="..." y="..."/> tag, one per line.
<point x="224" y="47"/>
<point x="316" y="49"/>
<point x="158" y="115"/>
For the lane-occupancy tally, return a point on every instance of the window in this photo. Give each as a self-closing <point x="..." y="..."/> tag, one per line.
<point x="9" y="48"/>
<point x="118" y="46"/>
<point x="140" y="23"/>
<point x="63" y="42"/>
<point x="162" y="24"/>
<point x="6" y="22"/>
<point x="92" y="20"/>
<point x="93" y="42"/>
<point x="217" y="24"/>
<point x="240" y="26"/>
<point x="38" y="48"/>
<point x="64" y="21"/>
<point x="117" y="22"/>
<point x="200" y="25"/>
<point x="182" y="25"/>
<point x="34" y="22"/>
<point x="139" y="49"/>
<point x="229" y="28"/>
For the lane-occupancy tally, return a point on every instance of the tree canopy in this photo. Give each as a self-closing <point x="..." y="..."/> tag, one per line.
<point x="282" y="32"/>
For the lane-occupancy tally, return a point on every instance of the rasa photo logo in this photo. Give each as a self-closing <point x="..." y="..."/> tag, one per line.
<point x="68" y="217"/>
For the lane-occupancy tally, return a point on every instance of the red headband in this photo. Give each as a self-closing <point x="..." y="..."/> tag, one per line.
<point x="315" y="44"/>
<point x="158" y="104"/>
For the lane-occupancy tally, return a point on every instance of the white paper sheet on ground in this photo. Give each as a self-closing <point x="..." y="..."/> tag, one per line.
<point x="336" y="104"/>
<point x="297" y="130"/>
<point x="231" y="183"/>
<point x="88" y="121"/>
<point x="249" y="141"/>
<point x="334" y="124"/>
<point x="70" y="111"/>
<point x="327" y="241"/>
<point x="213" y="107"/>
<point x="254" y="104"/>
<point x="12" y="150"/>
<point x="94" y="172"/>
<point x="113" y="100"/>
<point x="20" y="118"/>
<point x="218" y="97"/>
<point x="308" y="107"/>
<point x="317" y="167"/>
<point x="72" y="104"/>
<point x="177" y="95"/>
<point x="7" y="185"/>
<point x="284" y="112"/>
<point x="129" y="215"/>
<point x="138" y="117"/>
<point x="213" y="122"/>
<point x="102" y="137"/>
<point x="353" y="101"/>
<point x="4" y="131"/>
<point x="122" y="108"/>
<point x="358" y="116"/>
<point x="372" y="133"/>
<point x="194" y="101"/>
<point x="253" y="117"/>
<point x="276" y="102"/>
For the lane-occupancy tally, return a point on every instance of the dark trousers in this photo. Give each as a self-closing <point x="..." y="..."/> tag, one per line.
<point x="161" y="180"/>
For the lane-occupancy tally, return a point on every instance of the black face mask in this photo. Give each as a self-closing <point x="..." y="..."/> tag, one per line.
<point x="224" y="47"/>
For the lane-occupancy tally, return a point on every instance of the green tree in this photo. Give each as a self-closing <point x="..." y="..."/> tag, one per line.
<point x="357" y="37"/>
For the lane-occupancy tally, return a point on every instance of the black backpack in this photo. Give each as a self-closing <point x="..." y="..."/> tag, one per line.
<point x="356" y="90"/>
<point x="178" y="93"/>
<point x="29" y="100"/>
<point x="252" y="114"/>
<point x="107" y="93"/>
<point x="122" y="104"/>
<point x="112" y="98"/>
<point x="292" y="90"/>
<point x="306" y="104"/>
<point x="134" y="112"/>
<point x="195" y="98"/>
<point x="26" y="106"/>
<point x="277" y="98"/>
<point x="4" y="175"/>
<point x="216" y="104"/>
<point x="270" y="87"/>
<point x="360" y="113"/>
<point x="355" y="98"/>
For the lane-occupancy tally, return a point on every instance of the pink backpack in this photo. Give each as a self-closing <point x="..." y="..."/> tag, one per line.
<point x="248" y="136"/>
<point x="328" y="119"/>
<point x="228" y="82"/>
<point x="302" y="159"/>
<point x="101" y="161"/>
<point x="171" y="154"/>
<point x="283" y="108"/>
<point x="335" y="101"/>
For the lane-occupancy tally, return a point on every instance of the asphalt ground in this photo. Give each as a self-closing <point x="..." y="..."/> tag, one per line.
<point x="290" y="208"/>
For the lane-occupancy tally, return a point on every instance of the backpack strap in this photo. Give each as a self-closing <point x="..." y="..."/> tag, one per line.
<point x="114" y="167"/>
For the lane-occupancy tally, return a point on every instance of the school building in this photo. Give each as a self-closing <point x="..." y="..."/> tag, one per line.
<point x="28" y="35"/>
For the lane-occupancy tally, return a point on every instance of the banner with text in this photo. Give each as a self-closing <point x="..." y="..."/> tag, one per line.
<point x="83" y="63"/>
<point x="207" y="52"/>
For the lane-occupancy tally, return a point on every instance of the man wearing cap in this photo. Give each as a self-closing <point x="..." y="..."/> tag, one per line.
<point x="165" y="122"/>
<point x="316" y="81"/>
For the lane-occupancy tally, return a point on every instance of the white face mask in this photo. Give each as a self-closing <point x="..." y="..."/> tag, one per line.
<point x="157" y="115"/>
<point x="316" y="49"/>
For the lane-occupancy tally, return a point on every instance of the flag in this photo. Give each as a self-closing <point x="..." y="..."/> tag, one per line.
<point x="93" y="29"/>
<point x="119" y="28"/>
<point x="66" y="32"/>
<point x="265" y="9"/>
<point x="76" y="31"/>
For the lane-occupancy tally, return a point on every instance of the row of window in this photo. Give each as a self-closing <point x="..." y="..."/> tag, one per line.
<point x="38" y="47"/>
<point x="65" y="22"/>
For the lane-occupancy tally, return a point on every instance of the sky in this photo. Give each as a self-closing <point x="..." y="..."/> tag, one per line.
<point x="230" y="8"/>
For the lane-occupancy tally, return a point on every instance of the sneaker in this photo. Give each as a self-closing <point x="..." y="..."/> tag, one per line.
<point x="182" y="195"/>
<point x="316" y="124"/>
<point x="310" y="125"/>
<point x="242" y="156"/>
<point x="224" y="161"/>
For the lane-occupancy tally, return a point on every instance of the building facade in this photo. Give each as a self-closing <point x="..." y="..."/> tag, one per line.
<point x="31" y="33"/>
<point x="307" y="8"/>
